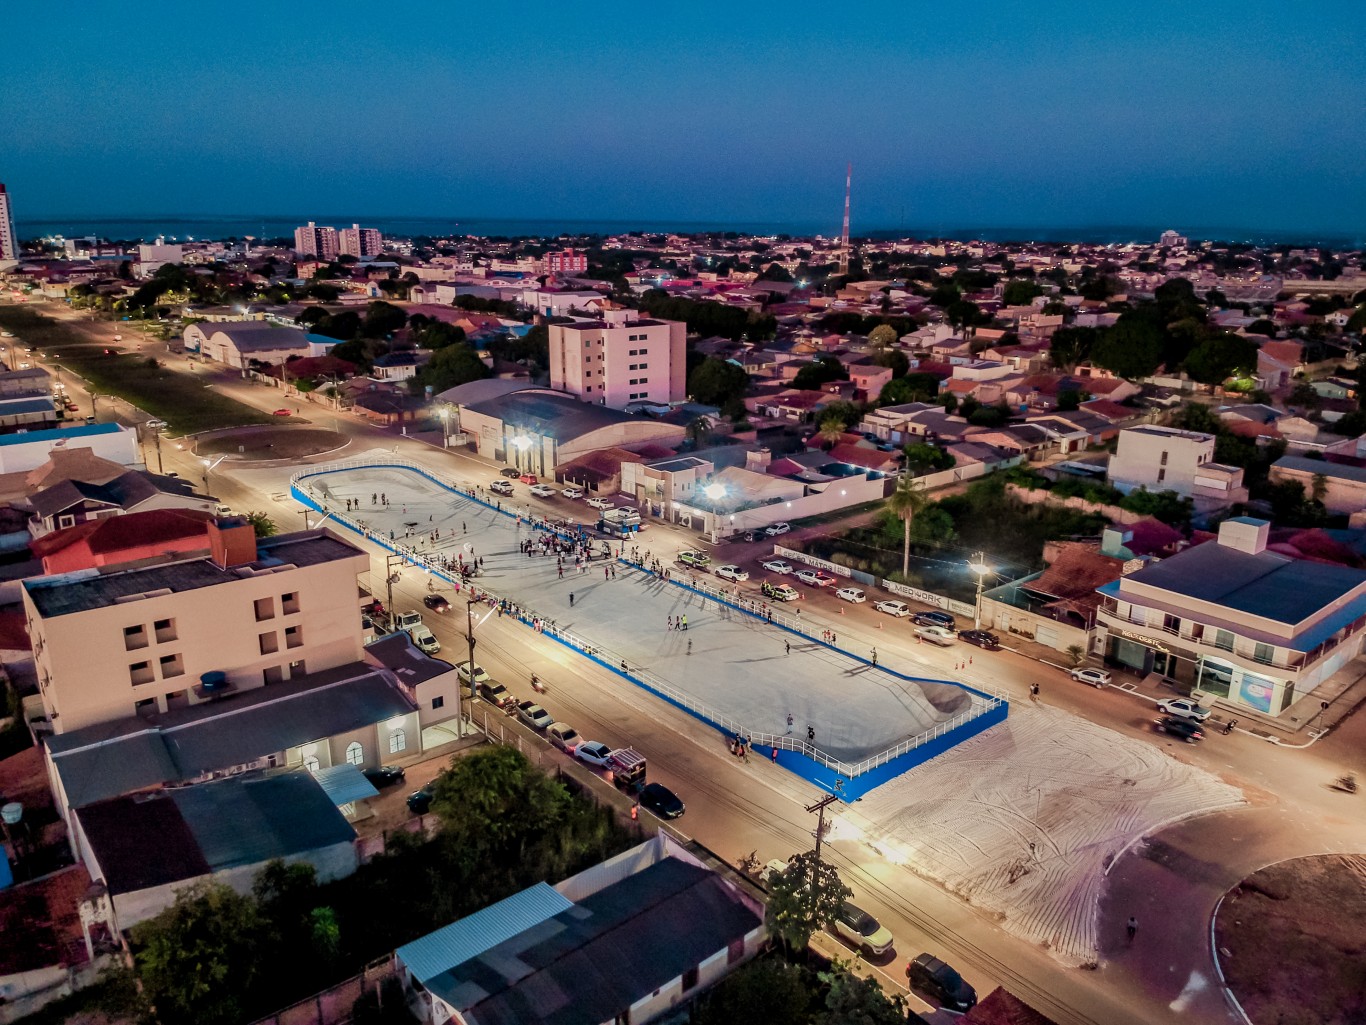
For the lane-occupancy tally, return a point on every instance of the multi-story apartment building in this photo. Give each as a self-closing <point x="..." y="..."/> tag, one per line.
<point x="565" y="261"/>
<point x="1167" y="459"/>
<point x="311" y="240"/>
<point x="112" y="643"/>
<point x="360" y="242"/>
<point x="1244" y="626"/>
<point x="9" y="241"/>
<point x="618" y="360"/>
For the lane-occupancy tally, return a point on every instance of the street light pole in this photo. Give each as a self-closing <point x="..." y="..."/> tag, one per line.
<point x="474" y="686"/>
<point x="979" y="566"/>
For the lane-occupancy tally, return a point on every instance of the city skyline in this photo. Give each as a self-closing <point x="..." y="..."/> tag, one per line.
<point x="1015" y="120"/>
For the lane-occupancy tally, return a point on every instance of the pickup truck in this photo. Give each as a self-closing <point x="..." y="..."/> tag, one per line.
<point x="408" y="620"/>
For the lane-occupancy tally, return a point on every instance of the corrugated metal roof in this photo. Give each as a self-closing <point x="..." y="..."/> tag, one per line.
<point x="452" y="945"/>
<point x="344" y="784"/>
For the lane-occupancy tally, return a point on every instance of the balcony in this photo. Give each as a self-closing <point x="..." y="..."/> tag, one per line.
<point x="1202" y="639"/>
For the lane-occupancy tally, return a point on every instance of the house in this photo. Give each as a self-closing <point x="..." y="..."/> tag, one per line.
<point x="1158" y="459"/>
<point x="1246" y="627"/>
<point x="132" y="537"/>
<point x="1340" y="486"/>
<point x="73" y="502"/>
<point x="619" y="359"/>
<point x="1057" y="607"/>
<point x="431" y="684"/>
<point x="628" y="940"/>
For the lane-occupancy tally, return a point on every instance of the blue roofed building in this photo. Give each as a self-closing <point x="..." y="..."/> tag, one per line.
<point x="624" y="941"/>
<point x="26" y="450"/>
<point x="1243" y="626"/>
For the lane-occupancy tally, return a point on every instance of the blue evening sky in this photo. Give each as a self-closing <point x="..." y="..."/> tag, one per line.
<point x="1248" y="114"/>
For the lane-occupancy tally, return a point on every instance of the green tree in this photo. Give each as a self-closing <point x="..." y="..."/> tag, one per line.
<point x="1167" y="506"/>
<point x="1021" y="292"/>
<point x="262" y="524"/>
<point x="922" y="459"/>
<point x="382" y="320"/>
<point x="1132" y="348"/>
<point x="831" y="430"/>
<point x="882" y="336"/>
<point x="803" y="899"/>
<point x="449" y="367"/>
<point x="715" y="382"/>
<point x="698" y="431"/>
<point x="893" y="358"/>
<point x="1220" y="357"/>
<point x="198" y="959"/>
<point x="912" y="388"/>
<point x="821" y="370"/>
<point x="858" y="1000"/>
<point x="990" y="416"/>
<point x="1262" y="327"/>
<point x="1071" y="345"/>
<point x="768" y="990"/>
<point x="963" y="313"/>
<point x="905" y="502"/>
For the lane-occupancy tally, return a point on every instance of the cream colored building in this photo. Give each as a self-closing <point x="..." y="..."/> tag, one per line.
<point x="1167" y="459"/>
<point x="108" y="645"/>
<point x="618" y="360"/>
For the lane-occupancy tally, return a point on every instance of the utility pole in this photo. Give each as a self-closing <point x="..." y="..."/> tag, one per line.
<point x="389" y="577"/>
<point x="474" y="686"/>
<point x="819" y="809"/>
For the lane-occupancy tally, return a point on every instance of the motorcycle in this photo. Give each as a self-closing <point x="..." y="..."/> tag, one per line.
<point x="536" y="684"/>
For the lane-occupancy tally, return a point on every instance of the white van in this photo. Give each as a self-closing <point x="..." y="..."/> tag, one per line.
<point x="424" y="639"/>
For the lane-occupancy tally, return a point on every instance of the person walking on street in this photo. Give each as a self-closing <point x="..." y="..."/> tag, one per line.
<point x="875" y="658"/>
<point x="1034" y="693"/>
<point x="685" y="622"/>
<point x="690" y="647"/>
<point x="789" y="722"/>
<point x="571" y="599"/>
<point x="1131" y="928"/>
<point x="788" y="646"/>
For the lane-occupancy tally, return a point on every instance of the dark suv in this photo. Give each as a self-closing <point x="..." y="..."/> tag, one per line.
<point x="930" y="975"/>
<point x="1183" y="729"/>
<point x="935" y="619"/>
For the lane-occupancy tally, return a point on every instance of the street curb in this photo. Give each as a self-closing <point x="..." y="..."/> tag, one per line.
<point x="1219" y="969"/>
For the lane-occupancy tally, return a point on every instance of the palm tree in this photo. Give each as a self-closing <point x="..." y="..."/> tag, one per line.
<point x="905" y="502"/>
<point x="831" y="430"/>
<point x="698" y="431"/>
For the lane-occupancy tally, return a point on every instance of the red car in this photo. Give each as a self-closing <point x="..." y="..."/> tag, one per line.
<point x="528" y="478"/>
<point x="283" y="412"/>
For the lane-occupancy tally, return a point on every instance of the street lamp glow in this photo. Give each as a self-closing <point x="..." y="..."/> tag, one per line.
<point x="979" y="566"/>
<point x="715" y="491"/>
<point x="521" y="444"/>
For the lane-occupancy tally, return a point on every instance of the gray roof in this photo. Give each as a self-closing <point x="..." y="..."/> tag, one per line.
<point x="483" y="391"/>
<point x="108" y="759"/>
<point x="1267" y="585"/>
<point x="1338" y="471"/>
<point x="398" y="653"/>
<point x="83" y="590"/>
<point x="589" y="964"/>
<point x="124" y="491"/>
<point x="259" y="336"/>
<point x="552" y="415"/>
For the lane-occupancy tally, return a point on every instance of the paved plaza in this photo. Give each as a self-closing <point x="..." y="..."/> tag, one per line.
<point x="753" y="673"/>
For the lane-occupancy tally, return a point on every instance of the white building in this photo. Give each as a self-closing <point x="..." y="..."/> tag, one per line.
<point x="620" y="359"/>
<point x="311" y="240"/>
<point x="19" y="452"/>
<point x="9" y="241"/>
<point x="360" y="242"/>
<point x="1167" y="459"/>
<point x="152" y="257"/>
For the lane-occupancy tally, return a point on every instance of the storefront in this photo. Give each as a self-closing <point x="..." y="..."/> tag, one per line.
<point x="1142" y="653"/>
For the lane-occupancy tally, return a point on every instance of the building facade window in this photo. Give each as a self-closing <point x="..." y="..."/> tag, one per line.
<point x="289" y="603"/>
<point x="398" y="741"/>
<point x="1223" y="639"/>
<point x="269" y="643"/>
<point x="171" y="665"/>
<point x="140" y="672"/>
<point x="294" y="636"/>
<point x="1263" y="653"/>
<point x="165" y="630"/>
<point x="265" y="609"/>
<point x="438" y="702"/>
<point x="355" y="754"/>
<point x="134" y="637"/>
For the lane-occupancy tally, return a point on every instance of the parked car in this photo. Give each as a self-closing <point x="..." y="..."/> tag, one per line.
<point x="893" y="608"/>
<point x="563" y="736"/>
<point x="437" y="603"/>
<point x="534" y="715"/>
<point x="1185" y="708"/>
<point x="593" y="752"/>
<point x="151" y="425"/>
<point x="1185" y="729"/>
<point x="480" y="676"/>
<point x="599" y="503"/>
<point x="384" y="775"/>
<point x="511" y="472"/>
<point x="529" y="478"/>
<point x="935" y="619"/>
<point x="420" y="801"/>
<point x="1095" y="677"/>
<point x="861" y="930"/>
<point x="698" y="560"/>
<point x="658" y="798"/>
<point x="501" y="487"/>
<point x="731" y="573"/>
<point x="571" y="492"/>
<point x="278" y="412"/>
<point x="981" y="638"/>
<point x="779" y="592"/>
<point x="779" y="566"/>
<point x="542" y="491"/>
<point x="496" y="693"/>
<point x="774" y="529"/>
<point x="852" y="594"/>
<point x="815" y="577"/>
<point x="936" y="635"/>
<point x="930" y="975"/>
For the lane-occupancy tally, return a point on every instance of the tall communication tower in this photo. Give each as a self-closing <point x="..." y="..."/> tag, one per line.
<point x="844" y="232"/>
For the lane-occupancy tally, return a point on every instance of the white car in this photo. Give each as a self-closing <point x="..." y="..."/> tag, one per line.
<point x="893" y="608"/>
<point x="480" y="676"/>
<point x="599" y="503"/>
<point x="501" y="486"/>
<point x="1185" y="708"/>
<point x="852" y="594"/>
<point x="571" y="492"/>
<point x="779" y="566"/>
<point x="593" y="752"/>
<point x="154" y="425"/>
<point x="815" y="578"/>
<point x="774" y="529"/>
<point x="542" y="491"/>
<point x="1095" y="677"/>
<point x="731" y="573"/>
<point x="936" y="635"/>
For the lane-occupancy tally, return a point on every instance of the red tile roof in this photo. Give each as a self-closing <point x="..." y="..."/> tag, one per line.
<point x="133" y="530"/>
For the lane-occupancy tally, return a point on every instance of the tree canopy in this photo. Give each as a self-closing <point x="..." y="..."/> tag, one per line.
<point x="1021" y="292"/>
<point x="803" y="898"/>
<point x="454" y="365"/>
<point x="1132" y="348"/>
<point x="717" y="382"/>
<point x="819" y="371"/>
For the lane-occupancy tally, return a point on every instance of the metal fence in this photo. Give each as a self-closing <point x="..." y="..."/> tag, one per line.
<point x="614" y="660"/>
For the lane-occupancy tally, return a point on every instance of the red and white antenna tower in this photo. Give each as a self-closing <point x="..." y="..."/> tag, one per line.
<point x="844" y="232"/>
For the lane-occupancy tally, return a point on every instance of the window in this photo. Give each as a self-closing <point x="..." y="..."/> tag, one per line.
<point x="355" y="754"/>
<point x="273" y="674"/>
<point x="145" y="707"/>
<point x="289" y="603"/>
<point x="1223" y="639"/>
<point x="171" y="665"/>
<point x="297" y="669"/>
<point x="1163" y="461"/>
<point x="66" y="521"/>
<point x="165" y="629"/>
<point x="270" y="643"/>
<point x="134" y="637"/>
<point x="140" y="672"/>
<point x="265" y="609"/>
<point x="1172" y="623"/>
<point x="311" y="763"/>
<point x="1263" y="653"/>
<point x="438" y="702"/>
<point x="398" y="741"/>
<point x="294" y="636"/>
<point x="1161" y="476"/>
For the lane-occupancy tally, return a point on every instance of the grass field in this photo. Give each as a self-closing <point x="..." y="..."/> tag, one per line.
<point x="183" y="401"/>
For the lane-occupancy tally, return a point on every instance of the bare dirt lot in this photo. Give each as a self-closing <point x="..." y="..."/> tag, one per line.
<point x="1292" y="942"/>
<point x="272" y="443"/>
